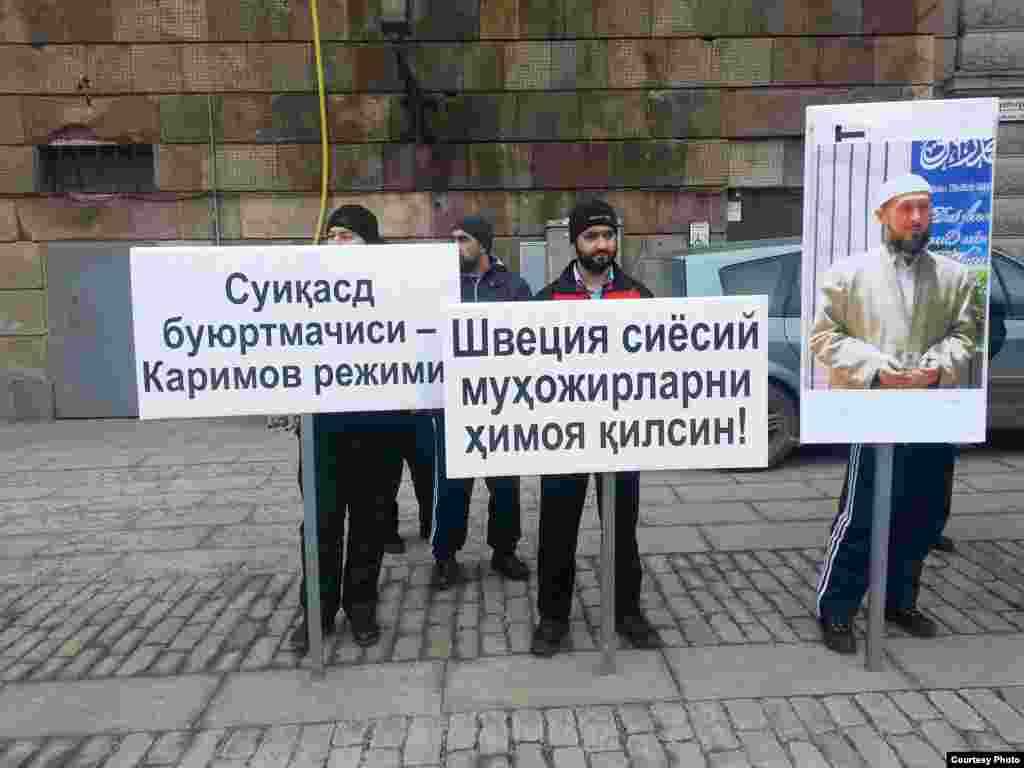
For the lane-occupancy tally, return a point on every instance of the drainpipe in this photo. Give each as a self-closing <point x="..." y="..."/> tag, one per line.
<point x="214" y="195"/>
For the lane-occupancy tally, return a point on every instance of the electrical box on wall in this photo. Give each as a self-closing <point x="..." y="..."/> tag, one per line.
<point x="735" y="208"/>
<point x="766" y="213"/>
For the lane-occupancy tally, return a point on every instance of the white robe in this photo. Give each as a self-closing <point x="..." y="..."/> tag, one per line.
<point x="862" y="325"/>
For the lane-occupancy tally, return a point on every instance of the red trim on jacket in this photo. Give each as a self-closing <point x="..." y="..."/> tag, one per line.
<point x="628" y="293"/>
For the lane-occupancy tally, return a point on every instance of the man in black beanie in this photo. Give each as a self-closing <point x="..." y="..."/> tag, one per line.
<point x="484" y="278"/>
<point x="593" y="274"/>
<point x="358" y="469"/>
<point x="414" y="432"/>
<point x="353" y="224"/>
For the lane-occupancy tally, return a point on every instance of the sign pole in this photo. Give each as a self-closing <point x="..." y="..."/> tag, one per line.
<point x="880" y="527"/>
<point x="609" y="641"/>
<point x="311" y="547"/>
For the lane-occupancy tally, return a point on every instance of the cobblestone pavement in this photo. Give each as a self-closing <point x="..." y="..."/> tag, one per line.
<point x="870" y="729"/>
<point x="166" y="550"/>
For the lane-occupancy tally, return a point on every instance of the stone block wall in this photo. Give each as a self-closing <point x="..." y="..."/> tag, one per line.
<point x="990" y="62"/>
<point x="660" y="105"/>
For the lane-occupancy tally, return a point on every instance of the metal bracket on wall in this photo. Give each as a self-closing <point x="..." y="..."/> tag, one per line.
<point x="416" y="102"/>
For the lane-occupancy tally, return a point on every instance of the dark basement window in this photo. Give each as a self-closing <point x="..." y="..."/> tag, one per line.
<point x="96" y="168"/>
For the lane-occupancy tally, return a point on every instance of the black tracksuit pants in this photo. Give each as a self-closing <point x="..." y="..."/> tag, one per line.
<point x="918" y="516"/>
<point x="416" y="439"/>
<point x="561" y="507"/>
<point x="357" y="463"/>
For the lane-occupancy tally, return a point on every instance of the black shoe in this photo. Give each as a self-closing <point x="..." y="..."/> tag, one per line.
<point x="363" y="620"/>
<point x="838" y="636"/>
<point x="510" y="566"/>
<point x="394" y="545"/>
<point x="447" y="573"/>
<point x="300" y="637"/>
<point x="945" y="544"/>
<point x="548" y="637"/>
<point x="425" y="530"/>
<point x="638" y="630"/>
<point x="912" y="621"/>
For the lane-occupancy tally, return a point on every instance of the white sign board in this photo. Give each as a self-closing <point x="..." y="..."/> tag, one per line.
<point x="252" y="330"/>
<point x="561" y="387"/>
<point x="894" y="338"/>
<point x="1011" y="110"/>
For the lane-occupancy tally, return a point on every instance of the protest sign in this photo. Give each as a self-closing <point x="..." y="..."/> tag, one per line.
<point x="599" y="386"/>
<point x="894" y="327"/>
<point x="228" y="331"/>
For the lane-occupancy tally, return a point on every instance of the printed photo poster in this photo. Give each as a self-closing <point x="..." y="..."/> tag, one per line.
<point x="895" y="271"/>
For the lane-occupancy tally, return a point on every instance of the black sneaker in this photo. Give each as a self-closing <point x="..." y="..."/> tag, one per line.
<point x="363" y="620"/>
<point x="425" y="530"/>
<point x="510" y="566"/>
<point x="447" y="573"/>
<point x="838" y="636"/>
<point x="548" y="637"/>
<point x="393" y="545"/>
<point x="638" y="630"/>
<point x="300" y="637"/>
<point x="912" y="621"/>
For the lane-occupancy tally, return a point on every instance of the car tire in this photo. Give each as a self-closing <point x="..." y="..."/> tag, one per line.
<point x="783" y="424"/>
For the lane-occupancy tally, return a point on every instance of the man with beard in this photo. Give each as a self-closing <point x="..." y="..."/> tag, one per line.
<point x="484" y="278"/>
<point x="898" y="317"/>
<point x="358" y="469"/>
<point x="592" y="275"/>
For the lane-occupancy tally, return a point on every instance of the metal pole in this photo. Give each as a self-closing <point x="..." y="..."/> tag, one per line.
<point x="312" y="547"/>
<point x="215" y="195"/>
<point x="609" y="640"/>
<point x="880" y="526"/>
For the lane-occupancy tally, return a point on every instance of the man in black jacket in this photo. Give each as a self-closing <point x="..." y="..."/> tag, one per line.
<point x="996" y="337"/>
<point x="592" y="275"/>
<point x="358" y="467"/>
<point x="484" y="278"/>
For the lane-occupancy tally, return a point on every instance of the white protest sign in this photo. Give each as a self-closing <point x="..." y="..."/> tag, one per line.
<point x="599" y="386"/>
<point x="229" y="331"/>
<point x="894" y="346"/>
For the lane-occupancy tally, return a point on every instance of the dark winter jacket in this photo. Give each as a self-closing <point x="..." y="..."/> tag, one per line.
<point x="496" y="284"/>
<point x="623" y="287"/>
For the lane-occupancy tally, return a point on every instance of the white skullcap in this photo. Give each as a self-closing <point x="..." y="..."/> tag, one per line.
<point x="901" y="185"/>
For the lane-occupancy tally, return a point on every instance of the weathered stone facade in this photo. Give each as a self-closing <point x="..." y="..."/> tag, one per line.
<point x="991" y="63"/>
<point x="661" y="105"/>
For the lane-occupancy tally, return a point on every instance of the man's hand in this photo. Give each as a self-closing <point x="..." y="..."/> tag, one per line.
<point x="925" y="377"/>
<point x="917" y="378"/>
<point x="896" y="380"/>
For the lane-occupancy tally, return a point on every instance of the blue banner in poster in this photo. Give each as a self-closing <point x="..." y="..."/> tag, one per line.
<point x="960" y="173"/>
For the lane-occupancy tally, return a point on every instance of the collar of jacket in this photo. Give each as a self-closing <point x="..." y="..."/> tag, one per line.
<point x="567" y="288"/>
<point x="495" y="268"/>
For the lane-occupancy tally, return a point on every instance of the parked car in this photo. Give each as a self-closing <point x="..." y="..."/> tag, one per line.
<point x="773" y="268"/>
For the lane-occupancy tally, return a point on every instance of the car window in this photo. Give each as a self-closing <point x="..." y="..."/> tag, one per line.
<point x="1012" y="275"/>
<point x="752" y="278"/>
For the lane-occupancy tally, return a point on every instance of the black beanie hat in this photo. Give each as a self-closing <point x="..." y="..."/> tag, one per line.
<point x="480" y="228"/>
<point x="590" y="213"/>
<point x="358" y="219"/>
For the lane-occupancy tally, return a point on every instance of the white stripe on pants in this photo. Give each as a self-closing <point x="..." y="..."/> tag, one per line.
<point x="838" y="532"/>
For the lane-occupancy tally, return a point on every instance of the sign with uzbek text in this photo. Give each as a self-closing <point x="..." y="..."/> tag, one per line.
<point x="247" y="330"/>
<point x="598" y="386"/>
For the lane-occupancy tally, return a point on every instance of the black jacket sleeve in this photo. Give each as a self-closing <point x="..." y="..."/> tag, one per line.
<point x="523" y="291"/>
